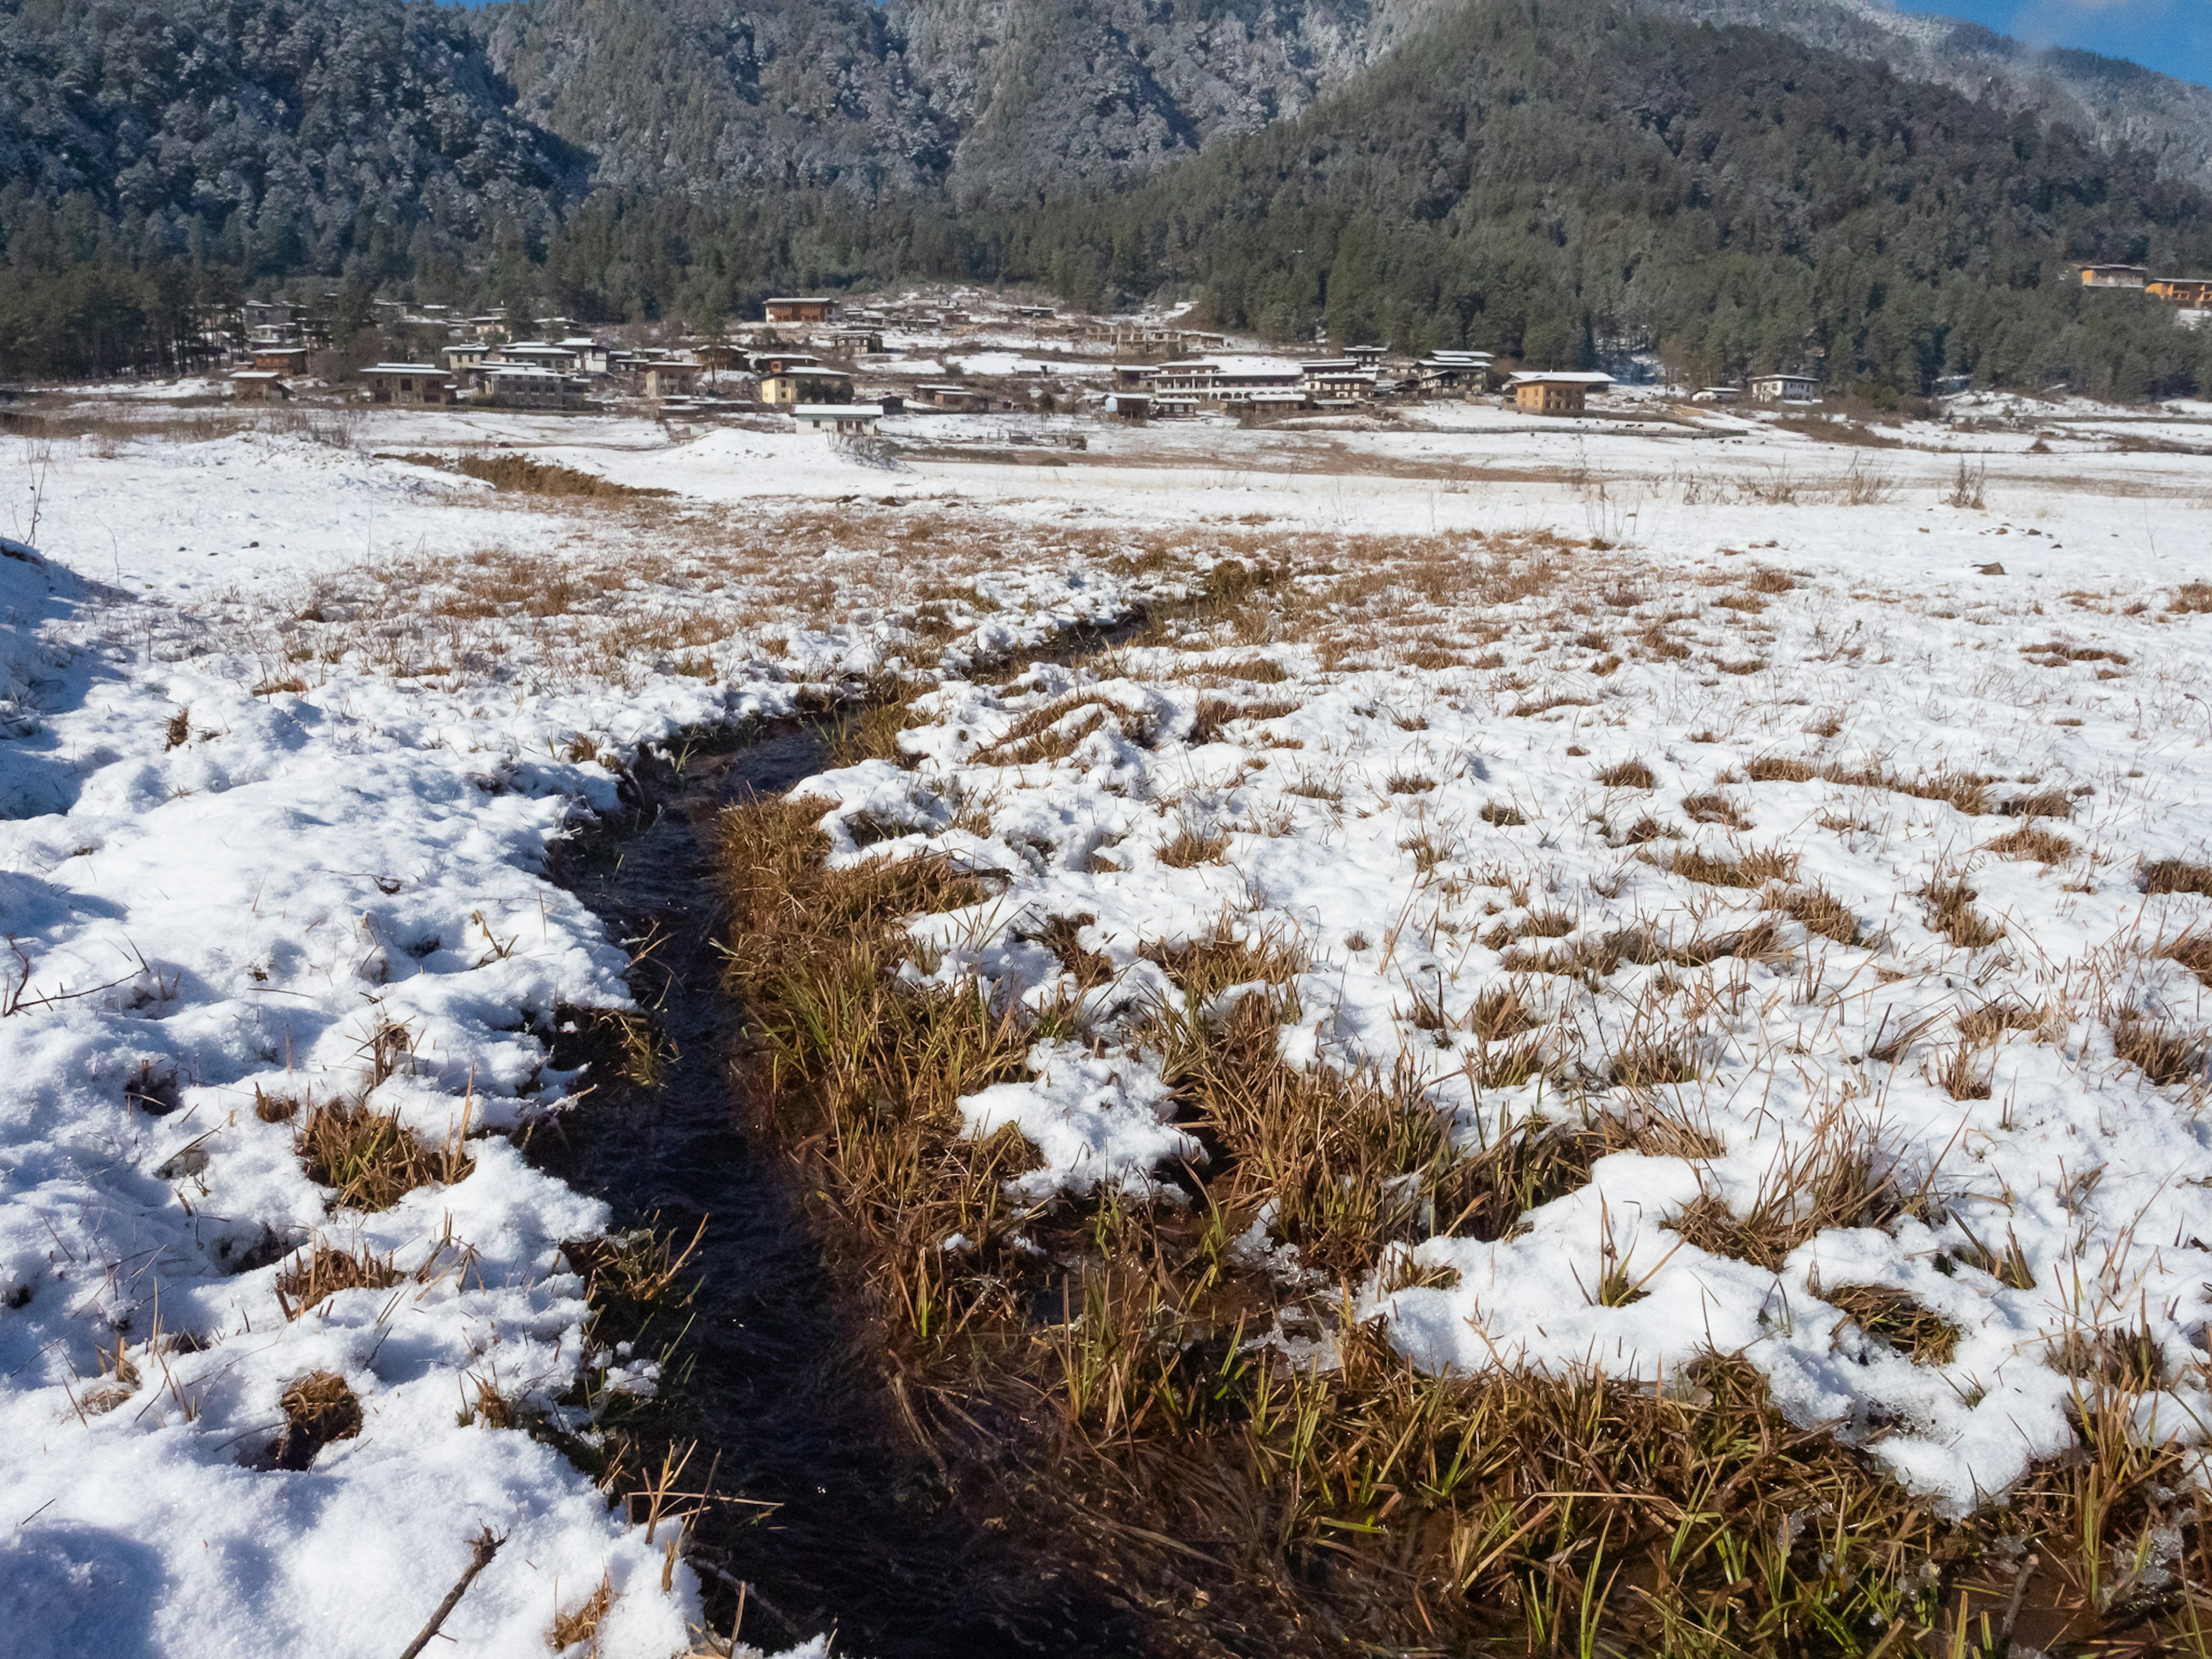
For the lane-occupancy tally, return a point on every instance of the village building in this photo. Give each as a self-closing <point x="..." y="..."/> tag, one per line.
<point x="417" y="386"/>
<point x="463" y="356"/>
<point x="536" y="354"/>
<point x="1784" y="389"/>
<point x="280" y="360"/>
<point x="524" y="385"/>
<point x="258" y="385"/>
<point x="1338" y="381"/>
<point x="1128" y="406"/>
<point x="784" y="362"/>
<point x="1134" y="376"/>
<point x="839" y="420"/>
<point x="789" y="309"/>
<point x="1367" y="356"/>
<point x="587" y="355"/>
<point x="1556" y="392"/>
<point x="670" y="377"/>
<point x="1717" y="394"/>
<point x="2114" y="276"/>
<point x="856" y="339"/>
<point x="953" y="399"/>
<point x="2181" y="291"/>
<point x="1036" y="314"/>
<point x="809" y="384"/>
<point x="1452" y="371"/>
<point x="1224" y="382"/>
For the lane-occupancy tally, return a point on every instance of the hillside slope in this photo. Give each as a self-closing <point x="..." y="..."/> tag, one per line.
<point x="2110" y="99"/>
<point x="1562" y="181"/>
<point x="273" y="133"/>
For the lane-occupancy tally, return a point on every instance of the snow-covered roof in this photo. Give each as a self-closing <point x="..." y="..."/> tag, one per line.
<point x="1563" y="377"/>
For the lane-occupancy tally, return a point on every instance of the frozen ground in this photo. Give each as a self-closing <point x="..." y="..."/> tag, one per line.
<point x="292" y="726"/>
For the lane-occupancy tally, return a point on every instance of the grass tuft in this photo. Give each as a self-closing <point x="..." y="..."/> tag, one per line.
<point x="1928" y="1339"/>
<point x="324" y="1271"/>
<point x="371" y="1157"/>
<point x="319" y="1408"/>
<point x="2176" y="876"/>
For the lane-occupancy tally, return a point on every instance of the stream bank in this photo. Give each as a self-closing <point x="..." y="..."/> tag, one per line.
<point x="867" y="1535"/>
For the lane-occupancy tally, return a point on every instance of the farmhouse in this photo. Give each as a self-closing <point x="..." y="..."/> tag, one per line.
<point x="668" y="377"/>
<point x="1556" y="392"/>
<point x="1222" y="382"/>
<point x="953" y="399"/>
<point x="2113" y="276"/>
<point x="2181" y="291"/>
<point x="280" y="360"/>
<point x="807" y="385"/>
<point x="258" y="385"/>
<point x="463" y="356"/>
<point x="1128" y="405"/>
<point x="839" y="420"/>
<point x="537" y="354"/>
<point x="409" y="384"/>
<point x="784" y="362"/>
<point x="523" y="385"/>
<point x="1785" y="389"/>
<point x="814" y="310"/>
<point x="1452" y="371"/>
<point x="1338" y="380"/>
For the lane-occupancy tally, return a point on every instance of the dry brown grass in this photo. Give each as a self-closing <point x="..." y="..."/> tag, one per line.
<point x="372" y="1158"/>
<point x="2176" y="876"/>
<point x="1819" y="911"/>
<point x="324" y="1271"/>
<point x="581" y="1624"/>
<point x="1951" y="913"/>
<point x="2045" y="846"/>
<point x="1837" y="1176"/>
<point x="520" y="472"/>
<point x="1628" y="774"/>
<point x="1967" y="791"/>
<point x="2191" y="597"/>
<point x="1190" y="846"/>
<point x="2167" y="1055"/>
<point x="1053" y="732"/>
<point x="1713" y="807"/>
<point x="2193" y="950"/>
<point x="1753" y="868"/>
<point x="1893" y="1315"/>
<point x="1362" y="1505"/>
<point x="319" y="1408"/>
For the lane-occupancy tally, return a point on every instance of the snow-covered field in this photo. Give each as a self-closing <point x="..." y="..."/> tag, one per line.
<point x="1801" y="793"/>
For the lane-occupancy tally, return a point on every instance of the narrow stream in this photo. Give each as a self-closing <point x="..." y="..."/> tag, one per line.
<point x="865" y="1537"/>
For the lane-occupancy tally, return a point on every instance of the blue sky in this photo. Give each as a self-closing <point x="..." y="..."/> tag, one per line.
<point x="2174" y="35"/>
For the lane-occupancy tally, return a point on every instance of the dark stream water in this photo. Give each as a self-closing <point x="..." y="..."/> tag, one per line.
<point x="867" y="1535"/>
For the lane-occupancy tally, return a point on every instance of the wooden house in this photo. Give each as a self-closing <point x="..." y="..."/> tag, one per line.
<point x="839" y="420"/>
<point x="810" y="385"/>
<point x="1784" y="389"/>
<point x="789" y="309"/>
<point x="1556" y="392"/>
<point x="258" y="385"/>
<point x="415" y="385"/>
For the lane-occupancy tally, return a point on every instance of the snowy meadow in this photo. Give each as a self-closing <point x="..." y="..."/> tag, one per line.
<point x="1454" y="1031"/>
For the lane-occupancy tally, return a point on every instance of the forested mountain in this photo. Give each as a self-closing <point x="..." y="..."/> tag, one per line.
<point x="1543" y="182"/>
<point x="269" y="134"/>
<point x="1563" y="179"/>
<point x="2110" y="100"/>
<point x="993" y="101"/>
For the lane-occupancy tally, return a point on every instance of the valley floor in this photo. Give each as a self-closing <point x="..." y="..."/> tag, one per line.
<point x="1814" y="832"/>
